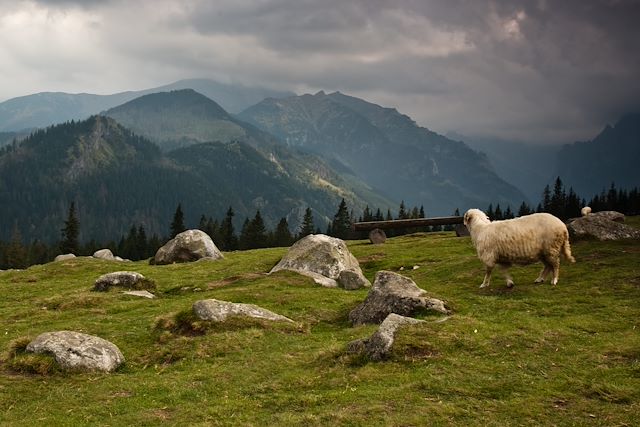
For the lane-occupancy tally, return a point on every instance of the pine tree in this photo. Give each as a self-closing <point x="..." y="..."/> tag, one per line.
<point x="367" y="216"/>
<point x="498" y="215"/>
<point x="307" y="226"/>
<point x="558" y="200"/>
<point x="257" y="232"/>
<point x="341" y="225"/>
<point x="69" y="243"/>
<point x="16" y="253"/>
<point x="243" y="240"/>
<point x="142" y="245"/>
<point x="282" y="236"/>
<point x="546" y="199"/>
<point x="177" y="225"/>
<point x="490" y="212"/>
<point x="378" y="215"/>
<point x="524" y="209"/>
<point x="402" y="211"/>
<point x="508" y="214"/>
<point x="228" y="238"/>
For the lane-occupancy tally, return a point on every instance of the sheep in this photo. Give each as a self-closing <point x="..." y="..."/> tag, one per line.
<point x="585" y="211"/>
<point x="523" y="240"/>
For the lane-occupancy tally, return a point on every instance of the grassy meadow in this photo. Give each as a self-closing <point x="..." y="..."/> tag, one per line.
<point x="531" y="355"/>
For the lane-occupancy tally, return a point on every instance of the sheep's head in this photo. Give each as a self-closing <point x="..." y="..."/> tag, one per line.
<point x="475" y="215"/>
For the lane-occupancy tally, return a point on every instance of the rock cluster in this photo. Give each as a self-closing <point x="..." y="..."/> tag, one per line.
<point x="602" y="226"/>
<point x="393" y="293"/>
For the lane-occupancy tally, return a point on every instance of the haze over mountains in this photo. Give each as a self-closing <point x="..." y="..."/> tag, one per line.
<point x="386" y="149"/>
<point x="280" y="154"/>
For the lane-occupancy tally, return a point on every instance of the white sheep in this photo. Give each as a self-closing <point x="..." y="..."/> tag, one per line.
<point x="523" y="240"/>
<point x="585" y="211"/>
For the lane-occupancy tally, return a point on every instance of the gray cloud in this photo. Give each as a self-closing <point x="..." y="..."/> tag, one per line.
<point x="532" y="70"/>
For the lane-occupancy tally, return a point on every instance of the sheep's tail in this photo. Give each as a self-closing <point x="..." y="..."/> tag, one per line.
<point x="566" y="250"/>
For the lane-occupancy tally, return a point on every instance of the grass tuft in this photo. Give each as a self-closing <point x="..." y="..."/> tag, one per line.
<point x="19" y="361"/>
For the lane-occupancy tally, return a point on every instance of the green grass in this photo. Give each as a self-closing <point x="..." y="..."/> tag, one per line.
<point x="532" y="355"/>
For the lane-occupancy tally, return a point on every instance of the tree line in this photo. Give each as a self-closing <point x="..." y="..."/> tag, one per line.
<point x="566" y="204"/>
<point x="253" y="234"/>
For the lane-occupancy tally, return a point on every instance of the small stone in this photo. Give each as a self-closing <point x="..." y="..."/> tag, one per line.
<point x="64" y="257"/>
<point x="144" y="294"/>
<point x="123" y="279"/>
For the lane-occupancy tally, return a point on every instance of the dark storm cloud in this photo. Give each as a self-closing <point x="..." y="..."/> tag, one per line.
<point x="535" y="70"/>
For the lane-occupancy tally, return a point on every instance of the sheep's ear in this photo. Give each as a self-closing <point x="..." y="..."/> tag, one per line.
<point x="466" y="218"/>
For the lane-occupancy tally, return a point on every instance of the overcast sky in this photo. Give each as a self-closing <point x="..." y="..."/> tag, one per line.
<point x="542" y="71"/>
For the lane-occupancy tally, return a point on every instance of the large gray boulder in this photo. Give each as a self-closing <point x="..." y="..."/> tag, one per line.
<point x="610" y="215"/>
<point x="123" y="279"/>
<point x="218" y="311"/>
<point x="188" y="246"/>
<point x="77" y="351"/>
<point x="393" y="293"/>
<point x="378" y="346"/>
<point x="599" y="227"/>
<point x="325" y="259"/>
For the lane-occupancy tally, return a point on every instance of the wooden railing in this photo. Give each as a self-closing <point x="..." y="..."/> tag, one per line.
<point x="407" y="223"/>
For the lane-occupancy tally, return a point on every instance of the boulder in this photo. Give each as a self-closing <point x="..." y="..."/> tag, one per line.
<point x="377" y="236"/>
<point x="123" y="279"/>
<point x="461" y="230"/>
<point x="77" y="351"/>
<point x="219" y="311"/>
<point x="599" y="227"/>
<point x="104" y="254"/>
<point x="188" y="246"/>
<point x="378" y="346"/>
<point x="393" y="293"/>
<point x="107" y="255"/>
<point x="64" y="257"/>
<point x="325" y="259"/>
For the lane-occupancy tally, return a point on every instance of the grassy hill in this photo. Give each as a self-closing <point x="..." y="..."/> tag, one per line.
<point x="533" y="355"/>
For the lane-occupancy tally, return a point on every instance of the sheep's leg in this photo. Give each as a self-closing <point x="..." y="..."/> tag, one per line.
<point x="505" y="270"/>
<point x="487" y="276"/>
<point x="544" y="273"/>
<point x="555" y="264"/>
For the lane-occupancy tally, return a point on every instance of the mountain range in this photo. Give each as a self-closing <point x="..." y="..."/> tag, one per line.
<point x="141" y="157"/>
<point x="118" y="179"/>
<point x="386" y="149"/>
<point x="613" y="156"/>
<point x="47" y="108"/>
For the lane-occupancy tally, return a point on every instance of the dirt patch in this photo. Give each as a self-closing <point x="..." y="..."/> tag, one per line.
<point x="233" y="279"/>
<point x="373" y="257"/>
